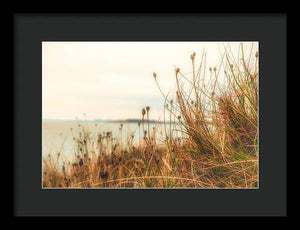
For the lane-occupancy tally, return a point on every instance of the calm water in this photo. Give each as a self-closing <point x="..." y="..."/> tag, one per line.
<point x="58" y="136"/>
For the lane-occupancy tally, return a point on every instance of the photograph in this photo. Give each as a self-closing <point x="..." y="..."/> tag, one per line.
<point x="150" y="115"/>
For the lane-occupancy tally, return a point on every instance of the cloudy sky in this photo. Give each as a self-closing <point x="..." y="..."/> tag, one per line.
<point x="113" y="80"/>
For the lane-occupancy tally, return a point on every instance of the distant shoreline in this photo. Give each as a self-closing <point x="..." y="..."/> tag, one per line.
<point x="108" y="121"/>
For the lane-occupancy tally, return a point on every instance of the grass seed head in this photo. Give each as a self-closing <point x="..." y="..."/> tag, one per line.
<point x="193" y="56"/>
<point x="103" y="175"/>
<point x="80" y="162"/>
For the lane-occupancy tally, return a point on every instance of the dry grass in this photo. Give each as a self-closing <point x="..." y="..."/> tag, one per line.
<point x="214" y="143"/>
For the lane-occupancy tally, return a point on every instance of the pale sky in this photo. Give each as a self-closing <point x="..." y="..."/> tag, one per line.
<point x="113" y="80"/>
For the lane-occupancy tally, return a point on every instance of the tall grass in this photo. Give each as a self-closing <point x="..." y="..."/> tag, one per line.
<point x="213" y="144"/>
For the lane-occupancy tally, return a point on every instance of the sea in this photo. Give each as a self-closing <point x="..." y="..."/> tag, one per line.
<point x="58" y="136"/>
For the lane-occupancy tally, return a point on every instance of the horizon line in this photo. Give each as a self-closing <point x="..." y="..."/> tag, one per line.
<point x="104" y="120"/>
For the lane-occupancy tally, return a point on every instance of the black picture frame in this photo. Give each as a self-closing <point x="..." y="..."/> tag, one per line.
<point x="29" y="30"/>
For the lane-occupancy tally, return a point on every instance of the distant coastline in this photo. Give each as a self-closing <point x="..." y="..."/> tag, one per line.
<point x="107" y="121"/>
